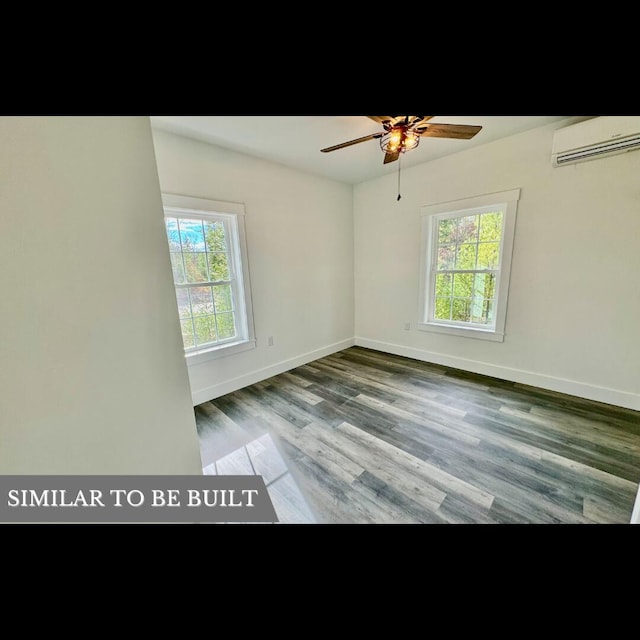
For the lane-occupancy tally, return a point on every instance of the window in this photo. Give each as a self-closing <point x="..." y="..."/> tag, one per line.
<point x="208" y="258"/>
<point x="466" y="260"/>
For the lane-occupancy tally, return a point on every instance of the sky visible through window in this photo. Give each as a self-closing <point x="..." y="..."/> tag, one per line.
<point x="191" y="230"/>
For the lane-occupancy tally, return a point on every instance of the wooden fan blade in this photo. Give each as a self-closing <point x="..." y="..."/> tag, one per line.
<point x="356" y="141"/>
<point x="391" y="157"/>
<point x="460" y="131"/>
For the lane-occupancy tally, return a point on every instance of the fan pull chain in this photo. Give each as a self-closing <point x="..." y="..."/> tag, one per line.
<point x="399" y="160"/>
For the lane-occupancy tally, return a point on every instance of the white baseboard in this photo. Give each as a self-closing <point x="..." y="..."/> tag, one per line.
<point x="562" y="385"/>
<point x="215" y="391"/>
<point x="635" y="516"/>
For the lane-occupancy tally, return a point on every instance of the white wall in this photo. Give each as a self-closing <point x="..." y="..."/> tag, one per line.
<point x="574" y="303"/>
<point x="300" y="245"/>
<point x="92" y="374"/>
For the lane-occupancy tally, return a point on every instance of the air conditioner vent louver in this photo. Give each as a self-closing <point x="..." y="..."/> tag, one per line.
<point x="595" y="138"/>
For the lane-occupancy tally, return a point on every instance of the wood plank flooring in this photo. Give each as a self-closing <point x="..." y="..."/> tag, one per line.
<point x="372" y="438"/>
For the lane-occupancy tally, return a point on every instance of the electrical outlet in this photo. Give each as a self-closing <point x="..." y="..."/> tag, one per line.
<point x="407" y="326"/>
<point x="270" y="341"/>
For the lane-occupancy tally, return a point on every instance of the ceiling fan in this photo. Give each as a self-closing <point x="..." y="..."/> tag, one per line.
<point x="402" y="133"/>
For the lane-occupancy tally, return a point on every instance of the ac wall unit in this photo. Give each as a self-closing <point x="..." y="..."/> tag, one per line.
<point x="595" y="138"/>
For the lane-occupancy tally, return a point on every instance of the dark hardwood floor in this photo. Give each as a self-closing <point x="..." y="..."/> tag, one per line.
<point x="377" y="438"/>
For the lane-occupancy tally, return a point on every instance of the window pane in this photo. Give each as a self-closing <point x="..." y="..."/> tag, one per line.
<point x="214" y="236"/>
<point x="467" y="229"/>
<point x="461" y="309"/>
<point x="184" y="308"/>
<point x="446" y="231"/>
<point x="463" y="285"/>
<point x="490" y="227"/>
<point x="218" y="266"/>
<point x="173" y="235"/>
<point x="488" y="255"/>
<point x="201" y="301"/>
<point x="191" y="234"/>
<point x="482" y="311"/>
<point x="446" y="257"/>
<point x="443" y="309"/>
<point x="205" y="329"/>
<point x="195" y="265"/>
<point x="226" y="326"/>
<point x="466" y="258"/>
<point x="177" y="267"/>
<point x="222" y="298"/>
<point x="484" y="285"/>
<point x="489" y="308"/>
<point x="187" y="333"/>
<point x="444" y="282"/>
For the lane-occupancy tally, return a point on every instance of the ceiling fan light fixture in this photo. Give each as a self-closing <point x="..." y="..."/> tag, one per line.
<point x="399" y="140"/>
<point x="411" y="140"/>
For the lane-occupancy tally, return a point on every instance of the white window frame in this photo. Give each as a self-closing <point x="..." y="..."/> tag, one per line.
<point x="505" y="201"/>
<point x="233" y="215"/>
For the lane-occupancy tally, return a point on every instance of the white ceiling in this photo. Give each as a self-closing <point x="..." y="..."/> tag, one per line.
<point x="295" y="141"/>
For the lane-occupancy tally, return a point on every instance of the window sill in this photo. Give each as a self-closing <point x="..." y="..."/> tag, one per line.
<point x="465" y="332"/>
<point x="220" y="351"/>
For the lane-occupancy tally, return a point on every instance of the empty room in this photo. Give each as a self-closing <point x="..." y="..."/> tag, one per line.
<point x="388" y="319"/>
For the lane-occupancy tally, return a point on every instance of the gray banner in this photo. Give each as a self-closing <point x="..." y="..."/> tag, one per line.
<point x="135" y="499"/>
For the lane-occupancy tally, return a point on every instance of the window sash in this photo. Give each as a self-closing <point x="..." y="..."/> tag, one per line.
<point x="232" y="250"/>
<point x="435" y="271"/>
<point x="214" y="283"/>
<point x="234" y="313"/>
<point x="461" y="323"/>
